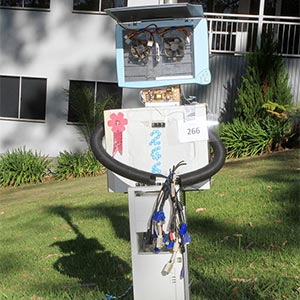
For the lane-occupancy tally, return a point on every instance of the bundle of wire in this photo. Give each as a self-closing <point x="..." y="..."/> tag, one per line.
<point x="175" y="237"/>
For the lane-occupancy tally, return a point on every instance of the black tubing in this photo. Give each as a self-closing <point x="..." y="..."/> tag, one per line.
<point x="148" y="178"/>
<point x="114" y="165"/>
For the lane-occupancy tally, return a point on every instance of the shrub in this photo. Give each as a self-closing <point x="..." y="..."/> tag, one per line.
<point x="259" y="122"/>
<point x="241" y="139"/>
<point x="277" y="131"/>
<point x="266" y="79"/>
<point x="88" y="112"/>
<point x="76" y="164"/>
<point x="287" y="119"/>
<point x="22" y="166"/>
<point x="293" y="139"/>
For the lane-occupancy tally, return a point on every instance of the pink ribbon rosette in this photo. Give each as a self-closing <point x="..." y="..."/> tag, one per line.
<point x="117" y="123"/>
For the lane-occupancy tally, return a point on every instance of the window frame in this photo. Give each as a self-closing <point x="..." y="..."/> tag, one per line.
<point x="19" y="104"/>
<point x="99" y="11"/>
<point x="23" y="7"/>
<point x="95" y="95"/>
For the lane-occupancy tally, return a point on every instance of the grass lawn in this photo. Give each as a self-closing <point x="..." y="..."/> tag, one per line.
<point x="70" y="240"/>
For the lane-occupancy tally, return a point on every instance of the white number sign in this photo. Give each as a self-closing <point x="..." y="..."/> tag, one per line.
<point x="191" y="131"/>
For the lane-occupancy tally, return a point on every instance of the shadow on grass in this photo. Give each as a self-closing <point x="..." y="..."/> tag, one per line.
<point x="237" y="247"/>
<point x="272" y="240"/>
<point x="87" y="260"/>
<point x="211" y="289"/>
<point x="116" y="213"/>
<point x="289" y="194"/>
<point x="284" y="172"/>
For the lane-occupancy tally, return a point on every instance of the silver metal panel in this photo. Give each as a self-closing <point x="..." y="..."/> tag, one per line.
<point x="226" y="76"/>
<point x="293" y="67"/>
<point x="155" y="12"/>
<point x="226" y="73"/>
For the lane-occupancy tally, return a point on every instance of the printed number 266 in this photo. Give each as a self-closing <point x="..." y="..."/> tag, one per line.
<point x="192" y="131"/>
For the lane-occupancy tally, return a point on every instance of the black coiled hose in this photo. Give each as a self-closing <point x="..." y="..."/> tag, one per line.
<point x="148" y="178"/>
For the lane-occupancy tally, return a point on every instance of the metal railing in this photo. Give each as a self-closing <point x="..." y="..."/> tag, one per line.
<point x="239" y="34"/>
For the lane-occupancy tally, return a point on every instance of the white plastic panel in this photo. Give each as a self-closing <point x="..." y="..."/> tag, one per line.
<point x="148" y="281"/>
<point x="152" y="140"/>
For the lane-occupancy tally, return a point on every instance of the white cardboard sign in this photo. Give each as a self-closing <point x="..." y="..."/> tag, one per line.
<point x="191" y="131"/>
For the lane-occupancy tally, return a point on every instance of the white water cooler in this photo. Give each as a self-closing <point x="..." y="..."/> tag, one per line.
<point x="159" y="48"/>
<point x="147" y="266"/>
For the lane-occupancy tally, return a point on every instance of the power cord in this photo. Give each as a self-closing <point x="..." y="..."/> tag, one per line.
<point x="111" y="297"/>
<point x="176" y="237"/>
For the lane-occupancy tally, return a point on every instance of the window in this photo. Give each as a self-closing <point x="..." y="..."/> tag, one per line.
<point x="97" y="5"/>
<point x="83" y="95"/>
<point x="26" y="3"/>
<point x="23" y="97"/>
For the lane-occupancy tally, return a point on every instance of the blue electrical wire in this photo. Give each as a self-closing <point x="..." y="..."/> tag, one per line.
<point x="111" y="297"/>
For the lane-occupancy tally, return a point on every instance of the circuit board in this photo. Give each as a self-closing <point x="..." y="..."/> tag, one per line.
<point x="163" y="94"/>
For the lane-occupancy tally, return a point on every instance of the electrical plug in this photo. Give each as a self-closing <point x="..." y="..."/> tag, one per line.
<point x="150" y="43"/>
<point x="183" y="229"/>
<point x="158" y="216"/>
<point x="170" y="245"/>
<point x="127" y="39"/>
<point x="159" y="242"/>
<point x="186" y="239"/>
<point x="159" y="239"/>
<point x="154" y="235"/>
<point x="166" y="238"/>
<point x="156" y="250"/>
<point x="176" y="247"/>
<point x="171" y="236"/>
<point x="182" y="273"/>
<point x="167" y="268"/>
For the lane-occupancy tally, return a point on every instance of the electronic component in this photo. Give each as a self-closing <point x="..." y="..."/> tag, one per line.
<point x="174" y="47"/>
<point x="163" y="95"/>
<point x="161" y="45"/>
<point x="140" y="50"/>
<point x="139" y="45"/>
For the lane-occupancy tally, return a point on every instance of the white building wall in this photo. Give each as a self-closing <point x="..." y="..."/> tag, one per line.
<point x="59" y="45"/>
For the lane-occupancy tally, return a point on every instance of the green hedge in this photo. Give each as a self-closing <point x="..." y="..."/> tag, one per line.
<point x="77" y="164"/>
<point x="242" y="139"/>
<point x="22" y="166"/>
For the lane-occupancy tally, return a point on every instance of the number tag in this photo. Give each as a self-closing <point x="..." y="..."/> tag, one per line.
<point x="191" y="131"/>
